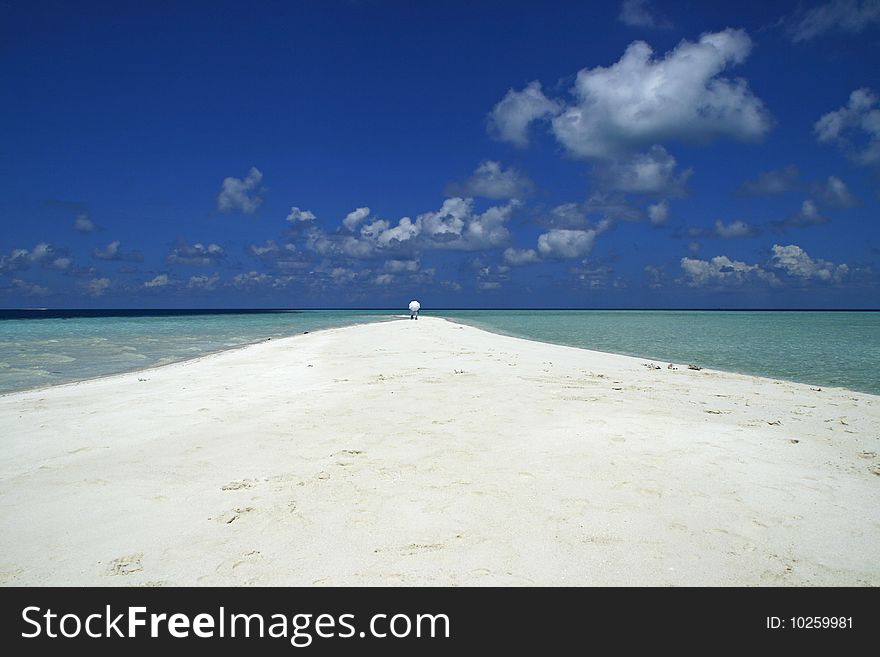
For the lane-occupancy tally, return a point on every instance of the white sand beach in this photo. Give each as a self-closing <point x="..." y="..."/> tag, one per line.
<point x="431" y="453"/>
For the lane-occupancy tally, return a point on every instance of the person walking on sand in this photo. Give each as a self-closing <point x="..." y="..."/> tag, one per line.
<point x="414" y="309"/>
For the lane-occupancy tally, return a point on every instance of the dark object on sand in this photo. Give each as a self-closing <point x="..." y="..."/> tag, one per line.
<point x="671" y="367"/>
<point x="304" y="332"/>
<point x="694" y="367"/>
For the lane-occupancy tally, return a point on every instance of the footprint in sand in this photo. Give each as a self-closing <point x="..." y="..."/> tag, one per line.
<point x="130" y="563"/>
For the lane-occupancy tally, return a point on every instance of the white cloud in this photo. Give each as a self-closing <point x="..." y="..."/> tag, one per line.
<point x="251" y="278"/>
<point x="835" y="192"/>
<point x="646" y="173"/>
<point x="722" y="270"/>
<point x="655" y="275"/>
<point x="796" y="262"/>
<point x="777" y="181"/>
<point x="454" y="226"/>
<point x="268" y="248"/>
<point x="342" y="275"/>
<point x="489" y="285"/>
<point x="254" y="279"/>
<point x="491" y="180"/>
<point x="43" y="254"/>
<point x="353" y="218"/>
<point x="398" y="266"/>
<point x="62" y="263"/>
<point x="203" y="282"/>
<point x="97" y="286"/>
<point x="658" y="213"/>
<point x="558" y="243"/>
<point x="734" y="229"/>
<point x="808" y="215"/>
<point x="791" y="261"/>
<point x="83" y="224"/>
<point x="641" y="100"/>
<point x="158" y="281"/>
<point x="639" y="13"/>
<point x="241" y="193"/>
<point x="509" y="120"/>
<point x="198" y="254"/>
<point x="837" y="16"/>
<point x="565" y="243"/>
<point x="854" y="128"/>
<point x="521" y="256"/>
<point x="113" y="252"/>
<point x="296" y="215"/>
<point x="383" y="279"/>
<point x="30" y="289"/>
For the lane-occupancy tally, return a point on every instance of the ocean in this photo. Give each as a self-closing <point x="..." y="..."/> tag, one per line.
<point x="39" y="348"/>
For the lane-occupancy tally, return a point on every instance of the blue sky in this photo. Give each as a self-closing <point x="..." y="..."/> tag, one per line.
<point x="491" y="154"/>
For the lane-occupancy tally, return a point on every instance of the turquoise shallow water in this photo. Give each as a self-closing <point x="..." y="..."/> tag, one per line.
<point x="39" y="352"/>
<point x="820" y="348"/>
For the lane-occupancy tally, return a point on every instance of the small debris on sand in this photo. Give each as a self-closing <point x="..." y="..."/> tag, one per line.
<point x="691" y="366"/>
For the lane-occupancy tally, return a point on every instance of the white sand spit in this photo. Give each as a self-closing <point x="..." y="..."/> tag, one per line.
<point x="433" y="453"/>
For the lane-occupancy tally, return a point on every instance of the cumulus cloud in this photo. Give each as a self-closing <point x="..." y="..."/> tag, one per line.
<point x="29" y="289"/>
<point x="198" y="255"/>
<point x="158" y="281"/>
<point x="639" y="13"/>
<point x="255" y="279"/>
<point x="521" y="256"/>
<point x="83" y="223"/>
<point x="854" y="128"/>
<point x="43" y="254"/>
<point x="203" y="282"/>
<point x="454" y="226"/>
<point x="397" y="266"/>
<point x="652" y="172"/>
<point x="793" y="260"/>
<point x="658" y="213"/>
<point x="296" y="215"/>
<point x="808" y="215"/>
<point x="509" y="120"/>
<point x="491" y="180"/>
<point x="834" y="192"/>
<point x="557" y="244"/>
<point x="790" y="262"/>
<point x="353" y="218"/>
<point x="565" y="243"/>
<point x="837" y="16"/>
<point x="383" y="279"/>
<point x="777" y="181"/>
<point x="655" y="276"/>
<point x="241" y="194"/>
<point x="281" y="256"/>
<point x="734" y="229"/>
<point x="113" y="252"/>
<point x="642" y="100"/>
<point x="722" y="270"/>
<point x="97" y="286"/>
